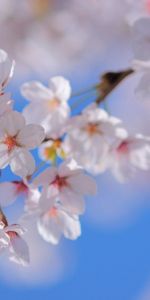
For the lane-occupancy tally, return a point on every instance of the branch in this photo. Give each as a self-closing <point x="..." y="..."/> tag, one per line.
<point x="109" y="82"/>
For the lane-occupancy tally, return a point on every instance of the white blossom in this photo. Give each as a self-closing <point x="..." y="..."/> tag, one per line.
<point x="48" y="106"/>
<point x="68" y="183"/>
<point x="128" y="155"/>
<point x="16" y="139"/>
<point x="90" y="136"/>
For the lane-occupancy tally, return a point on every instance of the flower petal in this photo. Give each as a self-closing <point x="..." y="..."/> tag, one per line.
<point x="60" y="87"/>
<point x="70" y="225"/>
<point x="11" y="123"/>
<point x="22" y="163"/>
<point x="4" y="156"/>
<point x="82" y="184"/>
<point x="19" y="251"/>
<point x="48" y="229"/>
<point x="35" y="91"/>
<point x="73" y="202"/>
<point x="46" y="177"/>
<point x="31" y="136"/>
<point x="8" y="193"/>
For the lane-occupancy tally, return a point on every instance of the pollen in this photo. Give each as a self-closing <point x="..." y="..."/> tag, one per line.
<point x="10" y="142"/>
<point x="92" y="128"/>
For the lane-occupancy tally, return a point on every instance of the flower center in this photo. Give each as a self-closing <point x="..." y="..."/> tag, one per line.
<point x="53" y="212"/>
<point x="123" y="147"/>
<point x="53" y="104"/>
<point x="21" y="187"/>
<point x="60" y="181"/>
<point x="92" y="128"/>
<point x="10" y="142"/>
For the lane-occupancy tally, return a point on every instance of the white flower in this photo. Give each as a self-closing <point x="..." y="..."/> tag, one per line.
<point x="68" y="183"/>
<point x="141" y="39"/>
<point x="89" y="138"/>
<point x="10" y="238"/>
<point x="48" y="106"/>
<point x="128" y="155"/>
<point x="55" y="222"/>
<point x="10" y="191"/>
<point x="6" y="69"/>
<point x="16" y="139"/>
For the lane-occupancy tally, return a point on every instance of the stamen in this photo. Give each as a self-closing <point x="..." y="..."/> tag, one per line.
<point x="123" y="147"/>
<point x="10" y="142"/>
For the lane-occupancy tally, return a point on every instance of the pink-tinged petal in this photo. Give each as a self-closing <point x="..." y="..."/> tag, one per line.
<point x="19" y="251"/>
<point x="70" y="225"/>
<point x="73" y="202"/>
<point x="11" y="123"/>
<point x="16" y="228"/>
<point x="60" y="87"/>
<point x="4" y="156"/>
<point x="46" y="177"/>
<point x="35" y="91"/>
<point x="49" y="229"/>
<point x="22" y="163"/>
<point x="8" y="193"/>
<point x="82" y="184"/>
<point x="31" y="136"/>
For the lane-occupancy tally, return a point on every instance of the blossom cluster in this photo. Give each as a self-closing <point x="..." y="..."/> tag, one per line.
<point x="73" y="148"/>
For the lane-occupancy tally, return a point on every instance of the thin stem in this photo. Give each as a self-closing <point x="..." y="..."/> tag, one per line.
<point x="82" y="100"/>
<point x="85" y="91"/>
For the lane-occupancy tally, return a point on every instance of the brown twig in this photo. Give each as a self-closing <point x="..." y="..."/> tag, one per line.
<point x="109" y="82"/>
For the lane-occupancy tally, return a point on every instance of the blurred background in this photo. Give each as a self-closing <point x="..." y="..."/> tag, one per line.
<point x="82" y="39"/>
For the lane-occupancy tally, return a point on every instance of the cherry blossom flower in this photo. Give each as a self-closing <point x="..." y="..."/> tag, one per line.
<point x="68" y="183"/>
<point x="55" y="222"/>
<point x="16" y="139"/>
<point x="128" y="155"/>
<point x="90" y="136"/>
<point x="48" y="106"/>
<point x="6" y="69"/>
<point x="10" y="238"/>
